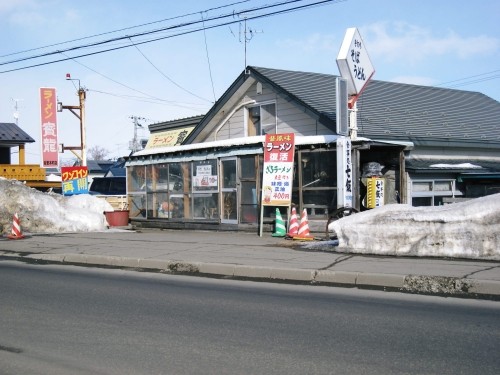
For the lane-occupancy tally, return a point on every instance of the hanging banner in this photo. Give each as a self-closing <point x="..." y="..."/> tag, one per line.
<point x="74" y="180"/>
<point x="48" y="112"/>
<point x="344" y="172"/>
<point x="277" y="179"/>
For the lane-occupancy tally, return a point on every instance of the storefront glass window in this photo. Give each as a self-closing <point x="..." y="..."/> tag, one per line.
<point x="136" y="178"/>
<point x="318" y="181"/>
<point x="205" y="177"/>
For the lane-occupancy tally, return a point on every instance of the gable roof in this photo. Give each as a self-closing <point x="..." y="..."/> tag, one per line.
<point x="13" y="135"/>
<point x="423" y="115"/>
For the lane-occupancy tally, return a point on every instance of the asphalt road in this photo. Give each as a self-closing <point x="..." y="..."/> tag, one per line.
<point x="69" y="320"/>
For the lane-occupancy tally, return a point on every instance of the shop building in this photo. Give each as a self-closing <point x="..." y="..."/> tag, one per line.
<point x="424" y="143"/>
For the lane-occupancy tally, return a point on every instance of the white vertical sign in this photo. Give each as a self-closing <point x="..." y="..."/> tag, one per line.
<point x="344" y="172"/>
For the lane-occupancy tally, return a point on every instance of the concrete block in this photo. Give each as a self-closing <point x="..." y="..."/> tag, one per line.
<point x="292" y="274"/>
<point x="491" y="287"/>
<point x="154" y="264"/>
<point x="344" y="277"/>
<point x="75" y="258"/>
<point x="217" y="269"/>
<point x="380" y="279"/>
<point x="47" y="257"/>
<point x="125" y="262"/>
<point x="252" y="271"/>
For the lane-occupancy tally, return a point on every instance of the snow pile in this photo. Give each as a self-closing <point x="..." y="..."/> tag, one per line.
<point x="469" y="229"/>
<point x="49" y="213"/>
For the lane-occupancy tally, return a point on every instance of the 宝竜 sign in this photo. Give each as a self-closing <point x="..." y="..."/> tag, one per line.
<point x="277" y="179"/>
<point x="48" y="117"/>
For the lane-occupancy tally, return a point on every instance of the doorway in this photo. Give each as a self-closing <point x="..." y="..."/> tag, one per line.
<point x="229" y="190"/>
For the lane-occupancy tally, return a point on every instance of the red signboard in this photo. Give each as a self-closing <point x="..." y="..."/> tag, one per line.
<point x="48" y="112"/>
<point x="277" y="179"/>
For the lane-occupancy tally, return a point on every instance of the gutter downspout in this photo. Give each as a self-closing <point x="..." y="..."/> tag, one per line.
<point x="226" y="119"/>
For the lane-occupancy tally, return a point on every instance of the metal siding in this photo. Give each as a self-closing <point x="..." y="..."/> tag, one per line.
<point x="401" y="111"/>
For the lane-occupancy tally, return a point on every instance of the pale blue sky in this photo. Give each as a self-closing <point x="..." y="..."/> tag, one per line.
<point x="447" y="43"/>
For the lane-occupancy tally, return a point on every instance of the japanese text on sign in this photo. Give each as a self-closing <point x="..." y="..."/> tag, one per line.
<point x="354" y="63"/>
<point x="74" y="180"/>
<point x="277" y="178"/>
<point x="48" y="117"/>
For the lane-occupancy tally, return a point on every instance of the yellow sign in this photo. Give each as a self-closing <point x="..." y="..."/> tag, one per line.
<point x="168" y="138"/>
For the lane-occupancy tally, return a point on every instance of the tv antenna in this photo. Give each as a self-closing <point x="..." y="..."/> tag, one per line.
<point x="246" y="35"/>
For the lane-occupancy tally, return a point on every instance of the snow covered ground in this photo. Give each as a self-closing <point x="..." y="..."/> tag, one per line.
<point x="469" y="229"/>
<point x="47" y="212"/>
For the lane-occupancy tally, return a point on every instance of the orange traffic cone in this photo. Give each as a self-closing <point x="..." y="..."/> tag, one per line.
<point x="293" y="227"/>
<point x="303" y="233"/>
<point x="16" y="233"/>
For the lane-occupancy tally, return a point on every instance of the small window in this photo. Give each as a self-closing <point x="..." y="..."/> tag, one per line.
<point x="261" y="119"/>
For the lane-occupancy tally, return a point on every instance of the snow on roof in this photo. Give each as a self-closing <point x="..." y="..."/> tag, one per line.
<point x="299" y="140"/>
<point x="458" y="166"/>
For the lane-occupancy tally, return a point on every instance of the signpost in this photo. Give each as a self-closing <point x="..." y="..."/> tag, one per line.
<point x="74" y="180"/>
<point x="344" y="173"/>
<point x="48" y="117"/>
<point x="354" y="63"/>
<point x="277" y="178"/>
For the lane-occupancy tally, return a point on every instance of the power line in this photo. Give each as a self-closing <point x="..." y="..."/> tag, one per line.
<point x="208" y="59"/>
<point x="283" y="11"/>
<point x="167" y="77"/>
<point x="476" y="80"/>
<point x="123" y="29"/>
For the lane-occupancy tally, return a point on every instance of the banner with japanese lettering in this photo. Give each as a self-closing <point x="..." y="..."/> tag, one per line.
<point x="74" y="180"/>
<point x="168" y="138"/>
<point x="277" y="179"/>
<point x="344" y="172"/>
<point x="48" y="112"/>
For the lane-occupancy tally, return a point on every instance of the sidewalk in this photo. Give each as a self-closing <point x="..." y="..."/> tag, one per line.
<point x="266" y="258"/>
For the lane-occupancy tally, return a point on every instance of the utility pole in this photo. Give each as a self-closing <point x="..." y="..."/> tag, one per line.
<point x="134" y="145"/>
<point x="81" y="116"/>
<point x="16" y="110"/>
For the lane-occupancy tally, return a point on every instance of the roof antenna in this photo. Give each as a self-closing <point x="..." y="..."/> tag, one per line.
<point x="246" y="35"/>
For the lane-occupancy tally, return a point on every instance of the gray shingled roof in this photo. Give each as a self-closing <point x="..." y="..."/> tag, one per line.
<point x="389" y="110"/>
<point x="13" y="135"/>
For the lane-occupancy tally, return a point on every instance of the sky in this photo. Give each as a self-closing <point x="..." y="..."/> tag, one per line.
<point x="199" y="50"/>
<point x="460" y="230"/>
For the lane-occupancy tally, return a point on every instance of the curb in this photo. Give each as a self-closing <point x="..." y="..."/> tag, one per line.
<point x="435" y="285"/>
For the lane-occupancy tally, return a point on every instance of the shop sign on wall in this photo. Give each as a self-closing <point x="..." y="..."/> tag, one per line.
<point x="168" y="138"/>
<point x="277" y="180"/>
<point x="344" y="172"/>
<point x="204" y="177"/>
<point x="48" y="117"/>
<point x="375" y="192"/>
<point x="74" y="180"/>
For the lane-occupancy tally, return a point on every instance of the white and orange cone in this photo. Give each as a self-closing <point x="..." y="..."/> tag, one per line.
<point x="293" y="227"/>
<point x="16" y="233"/>
<point x="303" y="233"/>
